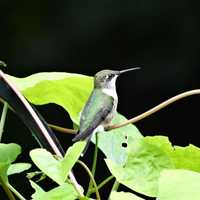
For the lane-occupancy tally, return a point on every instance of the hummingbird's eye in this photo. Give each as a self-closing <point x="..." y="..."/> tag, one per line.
<point x="111" y="76"/>
<point x="107" y="76"/>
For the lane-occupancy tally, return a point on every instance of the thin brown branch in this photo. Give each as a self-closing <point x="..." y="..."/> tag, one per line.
<point x="139" y="117"/>
<point x="154" y="109"/>
<point x="62" y="130"/>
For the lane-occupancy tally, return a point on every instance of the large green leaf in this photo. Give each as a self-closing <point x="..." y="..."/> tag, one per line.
<point x="146" y="160"/>
<point x="179" y="185"/>
<point x="114" y="143"/>
<point x="57" y="169"/>
<point x="67" y="90"/>
<point x="142" y="168"/>
<point x="123" y="195"/>
<point x="8" y="154"/>
<point x="63" y="192"/>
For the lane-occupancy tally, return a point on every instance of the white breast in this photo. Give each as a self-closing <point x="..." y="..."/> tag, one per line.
<point x="110" y="92"/>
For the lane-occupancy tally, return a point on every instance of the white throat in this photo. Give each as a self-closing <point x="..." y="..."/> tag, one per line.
<point x="111" y="89"/>
<point x="110" y="92"/>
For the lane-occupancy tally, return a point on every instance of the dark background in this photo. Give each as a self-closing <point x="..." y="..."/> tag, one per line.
<point x="87" y="36"/>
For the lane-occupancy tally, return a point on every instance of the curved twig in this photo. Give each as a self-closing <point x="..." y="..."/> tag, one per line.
<point x="91" y="177"/>
<point x="154" y="109"/>
<point x="139" y="117"/>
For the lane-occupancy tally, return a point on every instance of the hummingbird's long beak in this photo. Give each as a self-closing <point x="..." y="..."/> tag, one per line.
<point x="127" y="70"/>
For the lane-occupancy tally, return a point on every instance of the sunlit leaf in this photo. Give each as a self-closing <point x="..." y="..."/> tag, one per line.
<point x="179" y="185"/>
<point x="67" y="90"/>
<point x="57" y="169"/>
<point x="114" y="143"/>
<point x="17" y="168"/>
<point x="142" y="168"/>
<point x="64" y="192"/>
<point x="182" y="157"/>
<point x="72" y="155"/>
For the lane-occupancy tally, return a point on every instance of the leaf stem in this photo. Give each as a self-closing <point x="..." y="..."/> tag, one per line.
<point x="91" y="177"/>
<point x="114" y="188"/>
<point x="62" y="130"/>
<point x="16" y="192"/>
<point x="104" y="182"/>
<point x="76" y="185"/>
<point x="94" y="164"/>
<point x="6" y="189"/>
<point x="3" y="119"/>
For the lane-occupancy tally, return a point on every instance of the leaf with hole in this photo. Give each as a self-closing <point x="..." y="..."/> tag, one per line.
<point x="114" y="143"/>
<point x="142" y="168"/>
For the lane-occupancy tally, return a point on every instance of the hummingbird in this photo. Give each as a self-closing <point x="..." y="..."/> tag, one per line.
<point x="101" y="105"/>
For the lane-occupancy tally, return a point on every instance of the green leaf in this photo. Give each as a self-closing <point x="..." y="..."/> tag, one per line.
<point x="8" y="154"/>
<point x="67" y="90"/>
<point x="64" y="192"/>
<point x="57" y="169"/>
<point x="182" y="157"/>
<point x="123" y="195"/>
<point x="187" y="157"/>
<point x="142" y="168"/>
<point x="112" y="142"/>
<point x="72" y="155"/>
<point x="17" y="168"/>
<point x="179" y="185"/>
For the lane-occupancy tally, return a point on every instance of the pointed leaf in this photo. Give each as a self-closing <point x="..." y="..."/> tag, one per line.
<point x="72" y="155"/>
<point x="57" y="169"/>
<point x="46" y="162"/>
<point x="179" y="185"/>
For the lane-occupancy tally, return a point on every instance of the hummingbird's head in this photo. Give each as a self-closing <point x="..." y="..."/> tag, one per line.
<point x="107" y="78"/>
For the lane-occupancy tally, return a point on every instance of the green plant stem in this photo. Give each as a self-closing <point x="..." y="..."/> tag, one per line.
<point x="16" y="192"/>
<point x="94" y="164"/>
<point x="104" y="182"/>
<point x="62" y="130"/>
<point x="91" y="177"/>
<point x="3" y="119"/>
<point x="114" y="187"/>
<point x="6" y="189"/>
